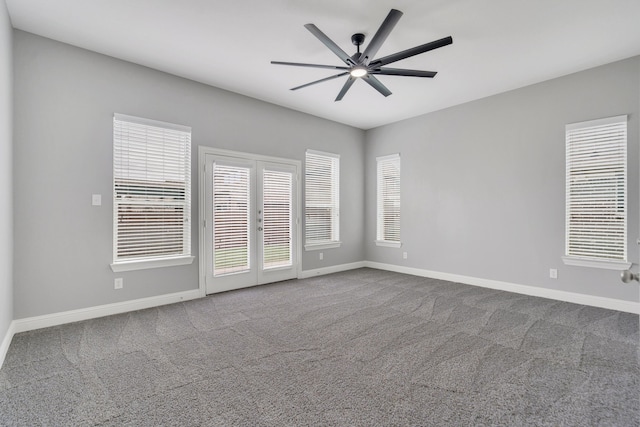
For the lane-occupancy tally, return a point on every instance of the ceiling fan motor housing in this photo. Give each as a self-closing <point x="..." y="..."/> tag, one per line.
<point x="357" y="39"/>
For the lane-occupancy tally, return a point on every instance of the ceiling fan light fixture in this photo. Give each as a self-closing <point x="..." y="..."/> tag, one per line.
<point x="358" y="72"/>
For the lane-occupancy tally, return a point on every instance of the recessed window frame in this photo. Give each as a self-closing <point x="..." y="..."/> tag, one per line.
<point x="607" y="139"/>
<point x="177" y="138"/>
<point x="388" y="198"/>
<point x="322" y="195"/>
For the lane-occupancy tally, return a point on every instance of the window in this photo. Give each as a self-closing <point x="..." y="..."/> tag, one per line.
<point x="596" y="189"/>
<point x="388" y="201"/>
<point x="151" y="193"/>
<point x="322" y="194"/>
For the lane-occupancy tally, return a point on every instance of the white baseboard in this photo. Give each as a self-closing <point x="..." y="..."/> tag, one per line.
<point x="595" y="301"/>
<point x="55" y="319"/>
<point x="328" y="270"/>
<point x="47" y="320"/>
<point x="6" y="342"/>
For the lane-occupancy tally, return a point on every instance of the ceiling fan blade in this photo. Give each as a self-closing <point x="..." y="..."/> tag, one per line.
<point x="320" y="81"/>
<point x="345" y="88"/>
<point x="411" y="52"/>
<point x="376" y="84"/>
<point x="403" y="72"/>
<point x="330" y="44"/>
<point x="381" y="35"/>
<point x="299" y="64"/>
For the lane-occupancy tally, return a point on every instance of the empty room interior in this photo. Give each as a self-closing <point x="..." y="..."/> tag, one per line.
<point x="330" y="213"/>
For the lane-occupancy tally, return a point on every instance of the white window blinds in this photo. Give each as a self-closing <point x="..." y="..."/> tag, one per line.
<point x="277" y="219"/>
<point x="388" y="200"/>
<point x="596" y="189"/>
<point x="322" y="195"/>
<point x="231" y="219"/>
<point x="151" y="189"/>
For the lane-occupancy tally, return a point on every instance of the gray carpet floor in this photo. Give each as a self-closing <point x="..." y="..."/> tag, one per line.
<point x="358" y="348"/>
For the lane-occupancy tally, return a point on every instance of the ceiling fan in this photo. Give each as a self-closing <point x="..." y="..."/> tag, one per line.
<point x="362" y="65"/>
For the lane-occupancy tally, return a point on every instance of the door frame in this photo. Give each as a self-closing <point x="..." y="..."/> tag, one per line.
<point x="203" y="151"/>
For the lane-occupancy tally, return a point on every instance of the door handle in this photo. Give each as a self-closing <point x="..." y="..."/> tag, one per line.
<point x="629" y="276"/>
<point x="259" y="228"/>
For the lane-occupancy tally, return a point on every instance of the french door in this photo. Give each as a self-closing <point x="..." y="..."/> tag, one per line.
<point x="250" y="225"/>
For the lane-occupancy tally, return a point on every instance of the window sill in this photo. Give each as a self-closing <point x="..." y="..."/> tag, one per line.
<point x="319" y="246"/>
<point x="388" y="244"/>
<point x="151" y="263"/>
<point x="594" y="263"/>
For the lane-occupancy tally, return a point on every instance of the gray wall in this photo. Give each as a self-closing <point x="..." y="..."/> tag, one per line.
<point x="6" y="186"/>
<point x="65" y="98"/>
<point x="483" y="183"/>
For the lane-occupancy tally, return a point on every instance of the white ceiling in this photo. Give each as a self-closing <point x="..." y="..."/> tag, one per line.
<point x="498" y="45"/>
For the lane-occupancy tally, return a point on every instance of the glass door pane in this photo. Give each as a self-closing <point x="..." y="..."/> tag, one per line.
<point x="277" y="226"/>
<point x="231" y="219"/>
<point x="277" y="219"/>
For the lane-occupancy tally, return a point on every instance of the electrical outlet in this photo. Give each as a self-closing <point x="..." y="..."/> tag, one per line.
<point x="96" y="199"/>
<point x="321" y="256"/>
<point x="404" y="255"/>
<point x="553" y="273"/>
<point x="117" y="283"/>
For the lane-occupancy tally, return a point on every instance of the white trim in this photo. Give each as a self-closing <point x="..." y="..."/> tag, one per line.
<point x="48" y="320"/>
<point x="241" y="155"/>
<point x="328" y="270"/>
<point x="151" y="122"/>
<point x="202" y="178"/>
<point x="388" y="157"/>
<point x="6" y="342"/>
<point x="54" y="319"/>
<point x="597" y="122"/>
<point x="597" y="263"/>
<point x="591" y="300"/>
<point x="203" y="151"/>
<point x="161" y="156"/>
<point x="591" y="232"/>
<point x="151" y="263"/>
<point x="388" y="244"/>
<point x="299" y="213"/>
<point x="322" y="153"/>
<point x="319" y="246"/>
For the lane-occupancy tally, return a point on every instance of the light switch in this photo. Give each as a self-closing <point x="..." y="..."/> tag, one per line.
<point x="96" y="199"/>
